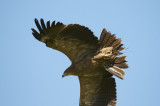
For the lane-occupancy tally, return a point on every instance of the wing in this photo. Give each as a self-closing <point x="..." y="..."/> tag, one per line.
<point x="116" y="63"/>
<point x="97" y="91"/>
<point x="73" y="40"/>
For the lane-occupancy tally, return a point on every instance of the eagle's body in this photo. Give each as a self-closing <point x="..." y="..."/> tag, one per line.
<point x="93" y="61"/>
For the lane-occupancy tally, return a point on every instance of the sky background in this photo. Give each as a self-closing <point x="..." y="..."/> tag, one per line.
<point x="30" y="73"/>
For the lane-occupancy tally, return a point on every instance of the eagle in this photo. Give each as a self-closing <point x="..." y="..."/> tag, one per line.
<point x="94" y="61"/>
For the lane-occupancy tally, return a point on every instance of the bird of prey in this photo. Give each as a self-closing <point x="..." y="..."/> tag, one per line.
<point x="93" y="61"/>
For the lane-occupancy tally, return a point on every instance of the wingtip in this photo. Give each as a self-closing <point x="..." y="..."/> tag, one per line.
<point x="32" y="30"/>
<point x="48" y="24"/>
<point x="41" y="19"/>
<point x="36" y="20"/>
<point x="104" y="29"/>
<point x="36" y="36"/>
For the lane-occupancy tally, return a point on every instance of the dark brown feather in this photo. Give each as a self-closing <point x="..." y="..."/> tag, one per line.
<point x="53" y="24"/>
<point x="117" y="47"/>
<point x="48" y="24"/>
<point x="120" y="59"/>
<point x="105" y="37"/>
<point x="103" y="34"/>
<point x="43" y="25"/>
<point x="97" y="91"/>
<point x="35" y="34"/>
<point x="116" y="42"/>
<point x="110" y="41"/>
<point x="38" y="26"/>
<point x="122" y="65"/>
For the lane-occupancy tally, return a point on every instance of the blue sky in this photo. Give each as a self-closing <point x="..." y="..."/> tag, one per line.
<point x="30" y="73"/>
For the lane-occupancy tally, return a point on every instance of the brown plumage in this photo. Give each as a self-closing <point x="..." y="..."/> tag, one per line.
<point x="93" y="61"/>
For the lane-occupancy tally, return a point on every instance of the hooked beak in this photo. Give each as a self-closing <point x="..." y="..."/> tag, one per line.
<point x="62" y="76"/>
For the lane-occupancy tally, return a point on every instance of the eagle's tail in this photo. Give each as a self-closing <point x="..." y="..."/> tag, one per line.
<point x="109" y="40"/>
<point x="117" y="63"/>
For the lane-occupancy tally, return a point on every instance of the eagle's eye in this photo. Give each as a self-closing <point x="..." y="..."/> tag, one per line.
<point x="108" y="52"/>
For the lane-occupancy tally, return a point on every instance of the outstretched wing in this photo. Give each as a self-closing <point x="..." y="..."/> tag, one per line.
<point x="97" y="91"/>
<point x="73" y="40"/>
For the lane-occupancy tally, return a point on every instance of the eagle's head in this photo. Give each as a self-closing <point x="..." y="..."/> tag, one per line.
<point x="69" y="71"/>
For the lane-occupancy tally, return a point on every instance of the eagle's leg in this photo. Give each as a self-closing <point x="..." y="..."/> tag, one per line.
<point x="97" y="91"/>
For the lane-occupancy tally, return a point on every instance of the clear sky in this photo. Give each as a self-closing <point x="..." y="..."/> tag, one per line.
<point x="30" y="73"/>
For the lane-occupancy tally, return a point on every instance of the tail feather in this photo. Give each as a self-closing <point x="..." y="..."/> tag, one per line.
<point x="105" y="36"/>
<point x="116" y="71"/>
<point x="122" y="65"/>
<point x="102" y="37"/>
<point x="117" y="53"/>
<point x="120" y="59"/>
<point x="110" y="41"/>
<point x="121" y="48"/>
<point x="121" y="62"/>
<point x="115" y="67"/>
<point x="119" y="70"/>
<point x="117" y="47"/>
<point x="116" y="42"/>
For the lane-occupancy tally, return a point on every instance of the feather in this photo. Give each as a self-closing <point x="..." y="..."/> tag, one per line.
<point x="116" y="42"/>
<point x="35" y="34"/>
<point x="38" y="26"/>
<point x="53" y="24"/>
<point x="120" y="59"/>
<point x="103" y="34"/>
<point x="34" y="31"/>
<point x="115" y="72"/>
<point x="122" y="65"/>
<point x="121" y="48"/>
<point x="105" y="40"/>
<point x="117" y="53"/>
<point x="43" y="25"/>
<point x="117" y="47"/>
<point x="111" y="39"/>
<point x="58" y="24"/>
<point x="119" y="70"/>
<point x="48" y="24"/>
<point x="97" y="91"/>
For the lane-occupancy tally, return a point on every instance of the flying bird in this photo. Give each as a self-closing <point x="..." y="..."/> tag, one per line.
<point x="94" y="61"/>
